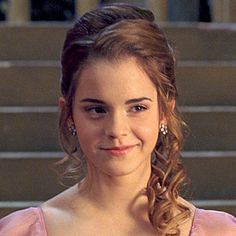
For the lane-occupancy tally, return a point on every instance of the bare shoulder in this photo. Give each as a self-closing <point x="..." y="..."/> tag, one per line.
<point x="58" y="212"/>
<point x="214" y="222"/>
<point x="60" y="200"/>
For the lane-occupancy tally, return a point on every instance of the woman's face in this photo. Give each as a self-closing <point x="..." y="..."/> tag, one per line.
<point x="116" y="115"/>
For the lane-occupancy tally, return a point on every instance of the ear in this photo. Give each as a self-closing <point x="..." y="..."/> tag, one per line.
<point x="163" y="119"/>
<point x="61" y="102"/>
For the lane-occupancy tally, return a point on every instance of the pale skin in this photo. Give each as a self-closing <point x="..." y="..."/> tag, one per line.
<point x="117" y="118"/>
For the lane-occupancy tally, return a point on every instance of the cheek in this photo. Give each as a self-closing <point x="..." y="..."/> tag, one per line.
<point x="149" y="133"/>
<point x="87" y="133"/>
<point x="148" y="130"/>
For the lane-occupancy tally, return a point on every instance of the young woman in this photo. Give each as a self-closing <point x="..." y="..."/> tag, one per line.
<point x="118" y="112"/>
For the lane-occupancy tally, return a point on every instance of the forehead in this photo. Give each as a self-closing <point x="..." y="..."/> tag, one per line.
<point x="123" y="77"/>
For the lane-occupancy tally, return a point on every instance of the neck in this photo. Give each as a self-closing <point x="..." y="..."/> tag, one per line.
<point x="126" y="191"/>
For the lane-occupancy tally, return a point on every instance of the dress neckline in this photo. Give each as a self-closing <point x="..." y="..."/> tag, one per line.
<point x="42" y="220"/>
<point x="43" y="223"/>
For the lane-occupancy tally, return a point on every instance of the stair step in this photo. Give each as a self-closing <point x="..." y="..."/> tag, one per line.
<point x="206" y="83"/>
<point x="36" y="83"/>
<point x="28" y="176"/>
<point x="29" y="83"/>
<point x="35" y="41"/>
<point x="29" y="129"/>
<point x="7" y="207"/>
<point x="212" y="127"/>
<point x="228" y="206"/>
<point x="34" y="178"/>
<point x="210" y="173"/>
<point x="35" y="128"/>
<point x="204" y="42"/>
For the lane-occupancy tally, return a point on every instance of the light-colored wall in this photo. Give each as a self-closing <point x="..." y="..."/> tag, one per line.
<point x="83" y="6"/>
<point x="159" y="8"/>
<point x="224" y="10"/>
<point x="18" y="11"/>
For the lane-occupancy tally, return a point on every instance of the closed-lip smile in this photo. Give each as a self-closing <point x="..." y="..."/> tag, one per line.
<point x="119" y="150"/>
<point x="123" y="147"/>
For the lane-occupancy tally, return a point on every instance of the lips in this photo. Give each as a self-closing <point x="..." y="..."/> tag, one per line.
<point x="119" y="150"/>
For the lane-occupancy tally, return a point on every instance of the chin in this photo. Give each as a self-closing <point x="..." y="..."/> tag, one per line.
<point x="124" y="169"/>
<point x="119" y="172"/>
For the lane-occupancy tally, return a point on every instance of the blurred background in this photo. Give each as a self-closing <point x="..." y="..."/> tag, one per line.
<point x="203" y="34"/>
<point x="165" y="10"/>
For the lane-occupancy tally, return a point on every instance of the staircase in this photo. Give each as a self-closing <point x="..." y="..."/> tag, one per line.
<point x="29" y="85"/>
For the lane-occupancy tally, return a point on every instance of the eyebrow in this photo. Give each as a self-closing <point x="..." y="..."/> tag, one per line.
<point x="93" y="100"/>
<point x="133" y="100"/>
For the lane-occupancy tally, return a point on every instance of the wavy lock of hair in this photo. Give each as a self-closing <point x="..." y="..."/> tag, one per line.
<point x="114" y="32"/>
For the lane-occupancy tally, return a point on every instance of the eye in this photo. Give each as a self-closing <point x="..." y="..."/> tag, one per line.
<point x="138" y="108"/>
<point x="96" y="112"/>
<point x="95" y="109"/>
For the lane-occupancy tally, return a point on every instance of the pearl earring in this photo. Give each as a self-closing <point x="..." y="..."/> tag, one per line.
<point x="163" y="129"/>
<point x="72" y="130"/>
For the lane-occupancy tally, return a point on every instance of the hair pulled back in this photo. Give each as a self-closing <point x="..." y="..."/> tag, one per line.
<point x="114" y="32"/>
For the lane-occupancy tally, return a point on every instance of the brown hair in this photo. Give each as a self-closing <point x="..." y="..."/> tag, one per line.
<point x="112" y="32"/>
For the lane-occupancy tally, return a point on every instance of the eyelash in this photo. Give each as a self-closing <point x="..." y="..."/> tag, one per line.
<point x="95" y="109"/>
<point x="99" y="111"/>
<point x="140" y="108"/>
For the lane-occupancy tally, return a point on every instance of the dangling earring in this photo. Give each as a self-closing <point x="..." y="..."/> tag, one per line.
<point x="163" y="129"/>
<point x="72" y="130"/>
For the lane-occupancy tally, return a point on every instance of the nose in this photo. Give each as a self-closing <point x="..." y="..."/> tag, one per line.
<point x="117" y="125"/>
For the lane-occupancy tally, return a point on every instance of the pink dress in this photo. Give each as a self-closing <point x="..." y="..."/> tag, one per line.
<point x="30" y="222"/>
